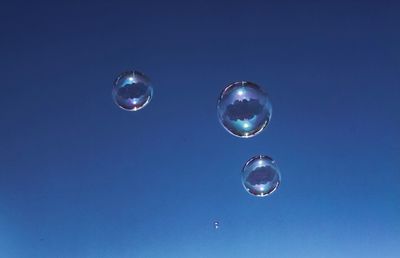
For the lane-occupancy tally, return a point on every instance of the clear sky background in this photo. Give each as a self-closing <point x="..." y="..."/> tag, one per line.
<point x="81" y="178"/>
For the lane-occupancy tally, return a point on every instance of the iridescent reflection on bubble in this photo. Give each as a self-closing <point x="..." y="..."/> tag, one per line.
<point x="261" y="176"/>
<point x="216" y="225"/>
<point x="132" y="91"/>
<point x="244" y="109"/>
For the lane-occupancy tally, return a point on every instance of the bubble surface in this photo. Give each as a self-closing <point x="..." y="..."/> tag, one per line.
<point x="261" y="176"/>
<point x="132" y="91"/>
<point x="244" y="109"/>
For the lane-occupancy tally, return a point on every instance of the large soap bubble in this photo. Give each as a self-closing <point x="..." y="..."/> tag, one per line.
<point x="261" y="176"/>
<point x="132" y="91"/>
<point x="244" y="109"/>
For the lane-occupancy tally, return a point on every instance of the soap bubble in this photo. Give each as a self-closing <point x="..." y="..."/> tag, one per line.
<point x="216" y="224"/>
<point x="261" y="176"/>
<point x="132" y="91"/>
<point x="244" y="109"/>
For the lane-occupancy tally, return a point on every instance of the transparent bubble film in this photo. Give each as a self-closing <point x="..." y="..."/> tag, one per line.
<point x="261" y="176"/>
<point x="132" y="91"/>
<point x="244" y="109"/>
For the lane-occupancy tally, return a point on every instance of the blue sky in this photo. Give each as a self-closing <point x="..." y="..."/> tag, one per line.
<point x="80" y="177"/>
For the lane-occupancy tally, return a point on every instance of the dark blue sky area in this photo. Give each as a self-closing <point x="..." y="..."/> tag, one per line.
<point x="81" y="178"/>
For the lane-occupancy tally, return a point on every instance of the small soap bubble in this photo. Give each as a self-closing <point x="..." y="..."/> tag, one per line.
<point x="244" y="109"/>
<point x="132" y="91"/>
<point x="261" y="176"/>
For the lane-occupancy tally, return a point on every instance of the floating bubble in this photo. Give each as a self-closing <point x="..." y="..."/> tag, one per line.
<point x="261" y="176"/>
<point x="132" y="91"/>
<point x="244" y="109"/>
<point x="216" y="224"/>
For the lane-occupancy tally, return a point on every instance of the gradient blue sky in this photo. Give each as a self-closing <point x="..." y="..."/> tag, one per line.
<point x="81" y="178"/>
